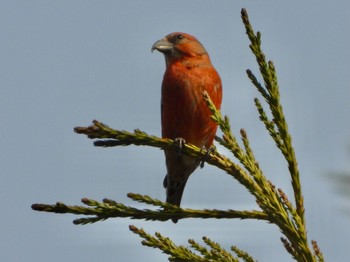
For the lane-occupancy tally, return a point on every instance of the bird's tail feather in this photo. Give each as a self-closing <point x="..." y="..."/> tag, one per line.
<point x="174" y="192"/>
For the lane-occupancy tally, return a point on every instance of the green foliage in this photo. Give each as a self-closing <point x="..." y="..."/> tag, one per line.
<point x="181" y="253"/>
<point x="274" y="205"/>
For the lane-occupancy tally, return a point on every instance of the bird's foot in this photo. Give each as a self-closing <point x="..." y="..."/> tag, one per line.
<point x="179" y="142"/>
<point x="210" y="150"/>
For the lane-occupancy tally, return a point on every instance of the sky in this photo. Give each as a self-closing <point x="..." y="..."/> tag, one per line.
<point x="65" y="63"/>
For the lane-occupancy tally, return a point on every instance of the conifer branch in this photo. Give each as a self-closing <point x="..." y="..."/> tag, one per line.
<point x="176" y="253"/>
<point x="278" y="130"/>
<point x="272" y="97"/>
<point x="242" y="254"/>
<point x="180" y="253"/>
<point x="268" y="198"/>
<point x="99" y="211"/>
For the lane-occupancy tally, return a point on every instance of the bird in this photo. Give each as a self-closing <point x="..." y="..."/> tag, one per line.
<point x="185" y="116"/>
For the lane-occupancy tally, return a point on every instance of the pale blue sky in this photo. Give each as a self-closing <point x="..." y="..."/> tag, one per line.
<point x="64" y="63"/>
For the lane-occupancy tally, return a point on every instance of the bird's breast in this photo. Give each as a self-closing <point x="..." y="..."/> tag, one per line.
<point x="184" y="111"/>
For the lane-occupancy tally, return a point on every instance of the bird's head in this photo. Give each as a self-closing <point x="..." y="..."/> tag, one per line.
<point x="180" y="46"/>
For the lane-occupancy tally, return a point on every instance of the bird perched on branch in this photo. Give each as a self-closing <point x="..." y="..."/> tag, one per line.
<point x="184" y="113"/>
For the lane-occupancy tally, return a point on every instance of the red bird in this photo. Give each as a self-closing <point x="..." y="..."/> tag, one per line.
<point x="184" y="113"/>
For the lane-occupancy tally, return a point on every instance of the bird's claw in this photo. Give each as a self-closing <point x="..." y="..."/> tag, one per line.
<point x="207" y="153"/>
<point x="179" y="142"/>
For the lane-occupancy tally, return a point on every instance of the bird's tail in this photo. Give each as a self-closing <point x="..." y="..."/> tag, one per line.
<point x="174" y="191"/>
<point x="179" y="169"/>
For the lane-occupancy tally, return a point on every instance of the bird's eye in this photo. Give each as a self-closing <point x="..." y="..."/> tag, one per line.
<point x="177" y="38"/>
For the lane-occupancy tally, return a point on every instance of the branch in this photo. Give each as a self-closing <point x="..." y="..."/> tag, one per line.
<point x="271" y="94"/>
<point x="278" y="129"/>
<point x="112" y="137"/>
<point x="99" y="211"/>
<point x="181" y="253"/>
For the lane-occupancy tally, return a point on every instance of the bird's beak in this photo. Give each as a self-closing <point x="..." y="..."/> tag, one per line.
<point x="163" y="46"/>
